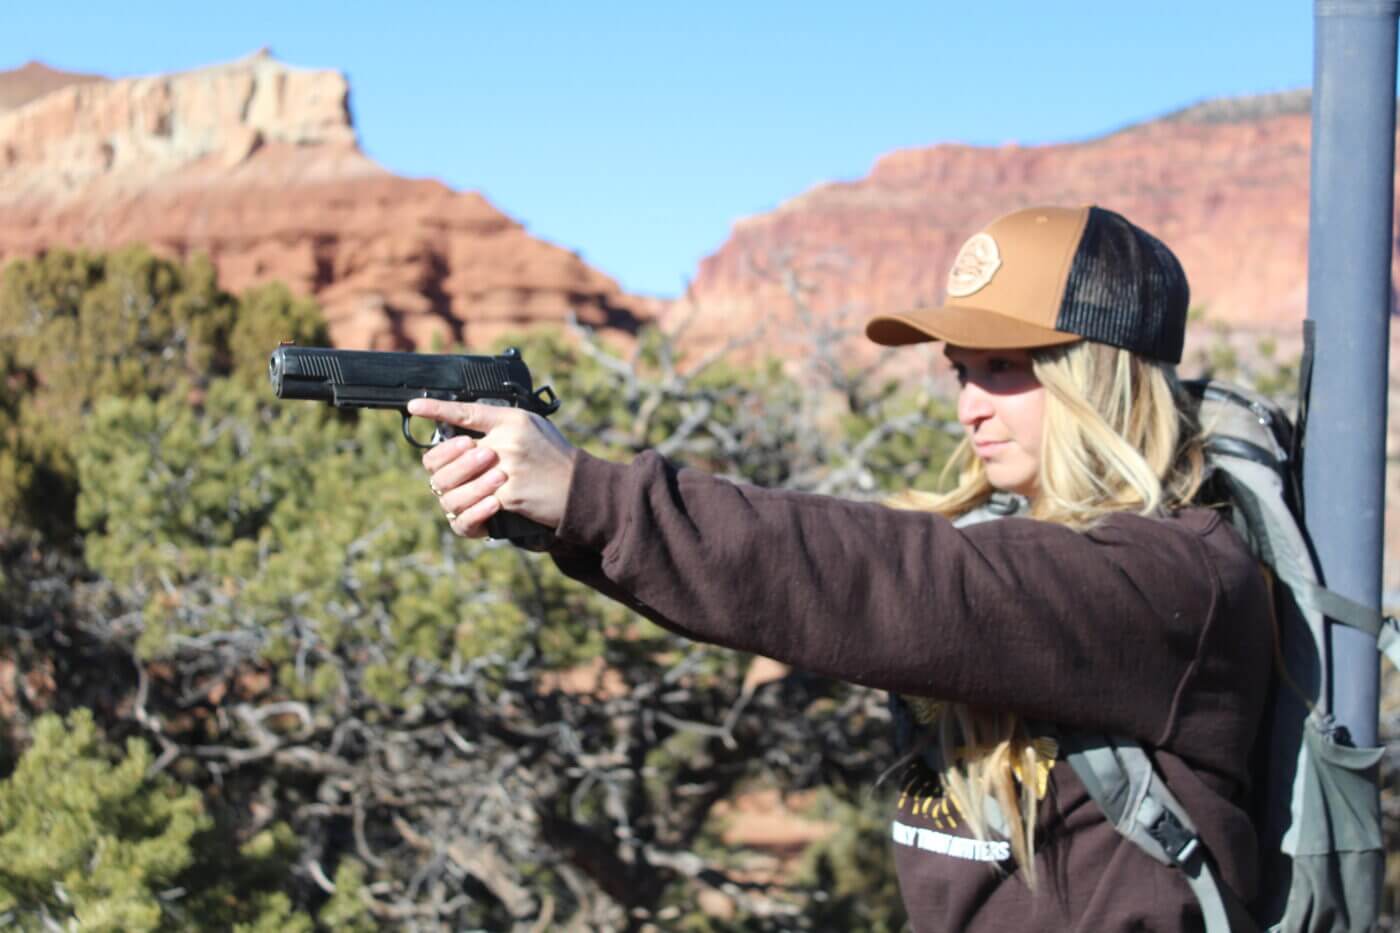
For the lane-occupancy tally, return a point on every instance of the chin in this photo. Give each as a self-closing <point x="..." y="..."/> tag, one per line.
<point x="1017" y="484"/>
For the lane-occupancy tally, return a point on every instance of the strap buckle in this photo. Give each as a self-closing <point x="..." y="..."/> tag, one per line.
<point x="1175" y="839"/>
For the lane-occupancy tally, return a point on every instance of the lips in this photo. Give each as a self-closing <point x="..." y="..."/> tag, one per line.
<point x="988" y="448"/>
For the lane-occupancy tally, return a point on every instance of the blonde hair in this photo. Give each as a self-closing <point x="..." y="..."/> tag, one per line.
<point x="1118" y="437"/>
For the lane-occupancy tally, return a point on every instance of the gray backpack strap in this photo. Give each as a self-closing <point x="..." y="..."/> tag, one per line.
<point x="998" y="505"/>
<point x="1349" y="612"/>
<point x="1121" y="779"/>
<point x="1334" y="605"/>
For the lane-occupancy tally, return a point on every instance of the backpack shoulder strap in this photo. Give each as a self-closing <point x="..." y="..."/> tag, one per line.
<point x="1121" y="778"/>
<point x="1314" y="597"/>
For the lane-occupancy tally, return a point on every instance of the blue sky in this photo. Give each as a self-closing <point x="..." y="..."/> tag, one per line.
<point x="637" y="133"/>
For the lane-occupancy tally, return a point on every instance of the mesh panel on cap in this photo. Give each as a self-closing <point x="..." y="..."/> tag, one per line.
<point x="1125" y="289"/>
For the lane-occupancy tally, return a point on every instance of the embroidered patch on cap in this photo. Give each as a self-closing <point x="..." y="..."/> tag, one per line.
<point x="978" y="260"/>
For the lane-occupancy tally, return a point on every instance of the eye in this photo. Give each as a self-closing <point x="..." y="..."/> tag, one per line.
<point x="1009" y="366"/>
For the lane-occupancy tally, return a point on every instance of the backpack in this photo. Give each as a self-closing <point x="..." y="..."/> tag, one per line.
<point x="1317" y="809"/>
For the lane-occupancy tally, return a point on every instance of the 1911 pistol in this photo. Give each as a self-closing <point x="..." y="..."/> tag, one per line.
<point x="384" y="379"/>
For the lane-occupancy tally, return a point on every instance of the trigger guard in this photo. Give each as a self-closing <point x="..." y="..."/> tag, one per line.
<point x="408" y="435"/>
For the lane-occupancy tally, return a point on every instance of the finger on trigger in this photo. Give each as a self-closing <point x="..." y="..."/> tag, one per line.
<point x="470" y="415"/>
<point x="422" y="407"/>
<point x="456" y="413"/>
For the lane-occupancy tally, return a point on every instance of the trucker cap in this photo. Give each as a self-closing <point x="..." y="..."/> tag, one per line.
<point x="1055" y="275"/>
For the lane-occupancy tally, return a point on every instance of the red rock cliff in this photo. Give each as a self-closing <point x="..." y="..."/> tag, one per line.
<point x="1224" y="183"/>
<point x="256" y="164"/>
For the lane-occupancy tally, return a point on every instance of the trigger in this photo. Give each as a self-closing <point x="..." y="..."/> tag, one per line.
<point x="443" y="432"/>
<point x="408" y="435"/>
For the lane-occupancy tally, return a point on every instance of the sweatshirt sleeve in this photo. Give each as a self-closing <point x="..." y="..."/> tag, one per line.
<point x="1098" y="630"/>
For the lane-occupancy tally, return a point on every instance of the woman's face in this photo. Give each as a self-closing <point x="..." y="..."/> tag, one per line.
<point x="1002" y="408"/>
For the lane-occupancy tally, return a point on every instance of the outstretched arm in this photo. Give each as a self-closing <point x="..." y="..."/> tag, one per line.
<point x="1099" y="629"/>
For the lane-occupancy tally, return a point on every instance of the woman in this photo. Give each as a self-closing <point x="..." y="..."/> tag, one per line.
<point x="1110" y="606"/>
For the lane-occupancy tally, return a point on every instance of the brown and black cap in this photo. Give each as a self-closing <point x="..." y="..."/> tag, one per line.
<point x="1055" y="275"/>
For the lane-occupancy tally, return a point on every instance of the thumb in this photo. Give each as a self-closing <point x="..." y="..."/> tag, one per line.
<point x="470" y="415"/>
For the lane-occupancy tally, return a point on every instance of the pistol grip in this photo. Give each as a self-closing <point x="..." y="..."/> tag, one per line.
<point x="520" y="531"/>
<point x="506" y="526"/>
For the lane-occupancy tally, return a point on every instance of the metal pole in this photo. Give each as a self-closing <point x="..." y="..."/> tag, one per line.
<point x="1349" y="299"/>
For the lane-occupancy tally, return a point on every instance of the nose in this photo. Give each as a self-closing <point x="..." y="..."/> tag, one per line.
<point x="974" y="406"/>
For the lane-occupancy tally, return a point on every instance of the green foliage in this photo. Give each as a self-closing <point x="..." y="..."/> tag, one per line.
<point x="851" y="868"/>
<point x="88" y="840"/>
<point x="242" y="885"/>
<point x="346" y="910"/>
<point x="77" y="329"/>
<point x="87" y="837"/>
<point x="274" y="913"/>
<point x="269" y="315"/>
<point x="243" y="515"/>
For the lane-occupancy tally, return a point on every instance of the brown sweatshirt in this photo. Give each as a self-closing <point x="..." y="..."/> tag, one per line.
<point x="1154" y="629"/>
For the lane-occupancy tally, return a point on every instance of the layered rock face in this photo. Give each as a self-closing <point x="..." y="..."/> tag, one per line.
<point x="256" y="164"/>
<point x="1225" y="184"/>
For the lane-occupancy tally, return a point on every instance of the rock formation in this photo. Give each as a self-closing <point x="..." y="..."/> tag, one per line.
<point x="1225" y="183"/>
<point x="36" y="79"/>
<point x="256" y="164"/>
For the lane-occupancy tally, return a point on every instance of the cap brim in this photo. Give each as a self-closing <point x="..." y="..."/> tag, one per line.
<point x="975" y="328"/>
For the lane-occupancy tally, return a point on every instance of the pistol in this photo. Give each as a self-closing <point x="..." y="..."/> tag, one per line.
<point x="385" y="379"/>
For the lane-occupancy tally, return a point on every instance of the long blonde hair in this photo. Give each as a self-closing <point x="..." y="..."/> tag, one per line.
<point x="1118" y="437"/>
